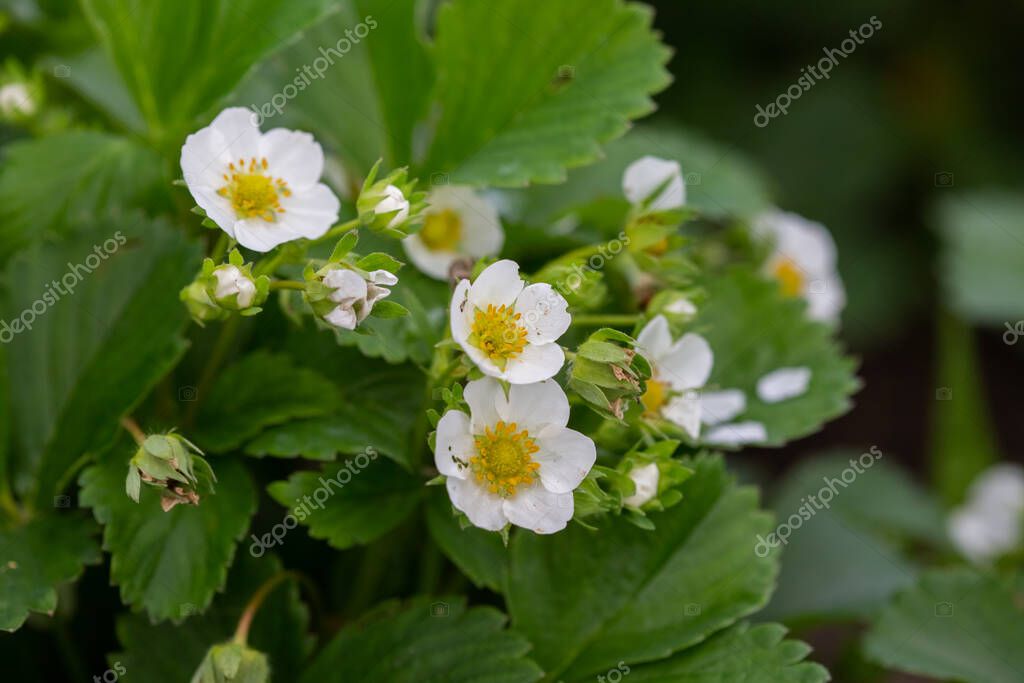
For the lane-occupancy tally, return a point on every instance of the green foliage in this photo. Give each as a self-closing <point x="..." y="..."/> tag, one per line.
<point x="753" y="330"/>
<point x="588" y="600"/>
<point x="168" y="563"/>
<point x="100" y="348"/>
<point x="480" y="555"/>
<point x="424" y="641"/>
<point x="508" y="122"/>
<point x="349" y="502"/>
<point x="261" y="390"/>
<point x="953" y="625"/>
<point x="38" y="556"/>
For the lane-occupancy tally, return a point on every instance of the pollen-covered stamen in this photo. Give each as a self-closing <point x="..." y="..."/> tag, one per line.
<point x="252" y="192"/>
<point x="789" y="275"/>
<point x="442" y="230"/>
<point x="503" y="459"/>
<point x="498" y="333"/>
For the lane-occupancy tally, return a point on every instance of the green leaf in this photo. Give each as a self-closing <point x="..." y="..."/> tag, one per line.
<point x="720" y="181"/>
<point x="169" y="563"/>
<point x="165" y="652"/>
<point x="93" y="75"/>
<point x="424" y="641"/>
<point x="742" y="654"/>
<point x="478" y="554"/>
<point x="52" y="186"/>
<point x="261" y="390"/>
<point x="353" y="429"/>
<point x="350" y="503"/>
<point x="954" y="625"/>
<point x="91" y="356"/>
<point x="852" y="552"/>
<point x="510" y="121"/>
<point x="37" y="557"/>
<point x="178" y="59"/>
<point x="754" y="329"/>
<point x="983" y="255"/>
<point x="589" y="600"/>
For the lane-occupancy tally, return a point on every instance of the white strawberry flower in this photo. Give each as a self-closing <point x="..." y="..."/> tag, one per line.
<point x="512" y="459"/>
<point x="16" y="100"/>
<point x="231" y="281"/>
<point x="507" y="328"/>
<point x="991" y="521"/>
<point x="655" y="184"/>
<point x="458" y="224"/>
<point x="803" y="260"/>
<point x="678" y="370"/>
<point x="262" y="189"/>
<point x="645" y="480"/>
<point x="355" y="295"/>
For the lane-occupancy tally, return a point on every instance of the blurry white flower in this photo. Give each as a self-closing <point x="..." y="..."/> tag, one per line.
<point x="645" y="478"/>
<point x="459" y="224"/>
<point x="656" y="184"/>
<point x="261" y="189"/>
<point x="991" y="521"/>
<point x="678" y="370"/>
<point x="355" y="295"/>
<point x="231" y="281"/>
<point x="721" y="406"/>
<point x="778" y="385"/>
<point x="736" y="434"/>
<point x="16" y="100"/>
<point x="803" y="261"/>
<point x="393" y="201"/>
<point x="513" y="459"/>
<point x="508" y="329"/>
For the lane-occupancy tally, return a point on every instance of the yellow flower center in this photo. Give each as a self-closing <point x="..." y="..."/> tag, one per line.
<point x="654" y="397"/>
<point x="498" y="333"/>
<point x="442" y="230"/>
<point x="790" y="276"/>
<point x="502" y="462"/>
<point x="253" y="193"/>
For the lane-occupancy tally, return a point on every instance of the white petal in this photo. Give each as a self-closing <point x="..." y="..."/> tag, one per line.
<point x="806" y="243"/>
<point x="239" y="134"/>
<point x="482" y="234"/>
<point x="645" y="478"/>
<point x="721" y="406"/>
<point x="436" y="264"/>
<point x="544" y="313"/>
<point x="685" y="411"/>
<point x="311" y="212"/>
<point x="483" y="508"/>
<point x="204" y="160"/>
<point x="393" y="200"/>
<point x="736" y="434"/>
<point x="382" y="277"/>
<point x="655" y="339"/>
<point x="539" y="510"/>
<point x="348" y="286"/>
<point x="982" y="537"/>
<point x="343" y="317"/>
<point x="535" y="363"/>
<point x="483" y="397"/>
<point x="460" y="312"/>
<point x="230" y="280"/>
<point x="498" y="284"/>
<point x="482" y="361"/>
<point x="687" y="364"/>
<point x="565" y="457"/>
<point x="645" y="175"/>
<point x="826" y="298"/>
<point x="217" y="208"/>
<point x="453" y="440"/>
<point x="778" y="385"/>
<point x="260" y="235"/>
<point x="681" y="307"/>
<point x="534" y="406"/>
<point x="999" y="487"/>
<point x="292" y="155"/>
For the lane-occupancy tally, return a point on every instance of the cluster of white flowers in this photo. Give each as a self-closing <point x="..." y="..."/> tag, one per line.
<point x="990" y="523"/>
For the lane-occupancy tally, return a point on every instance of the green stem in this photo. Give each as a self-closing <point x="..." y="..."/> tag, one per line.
<point x="213" y="363"/>
<point x="607" y="320"/>
<point x="336" y="231"/>
<point x="253" y="606"/>
<point x="287" y="284"/>
<point x="133" y="428"/>
<point x="220" y="247"/>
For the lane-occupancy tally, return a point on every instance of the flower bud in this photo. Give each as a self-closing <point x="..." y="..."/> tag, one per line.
<point x="390" y="205"/>
<point x="608" y="373"/>
<point x="343" y="296"/>
<point x="232" y="662"/>
<point x="172" y="464"/>
<point x="219" y="290"/>
<point x="199" y="305"/>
